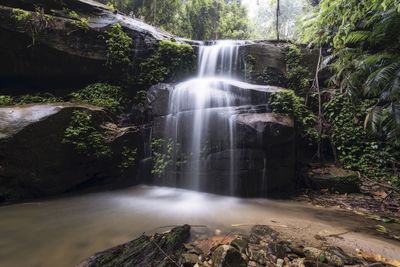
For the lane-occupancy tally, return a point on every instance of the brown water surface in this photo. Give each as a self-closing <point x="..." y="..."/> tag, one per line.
<point x="62" y="232"/>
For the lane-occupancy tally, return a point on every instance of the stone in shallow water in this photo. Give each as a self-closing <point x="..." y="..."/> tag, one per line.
<point x="228" y="256"/>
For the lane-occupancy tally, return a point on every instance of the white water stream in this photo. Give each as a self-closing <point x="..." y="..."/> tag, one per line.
<point x="202" y="114"/>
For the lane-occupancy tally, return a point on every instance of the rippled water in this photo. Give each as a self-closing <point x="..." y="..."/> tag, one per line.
<point x="62" y="232"/>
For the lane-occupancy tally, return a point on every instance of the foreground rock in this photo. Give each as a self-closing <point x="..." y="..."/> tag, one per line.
<point x="34" y="161"/>
<point x="157" y="250"/>
<point x="261" y="247"/>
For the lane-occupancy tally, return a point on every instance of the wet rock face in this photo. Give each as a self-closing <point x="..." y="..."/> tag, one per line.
<point x="34" y="162"/>
<point x="228" y="256"/>
<point x="267" y="55"/>
<point x="58" y="49"/>
<point x="262" y="149"/>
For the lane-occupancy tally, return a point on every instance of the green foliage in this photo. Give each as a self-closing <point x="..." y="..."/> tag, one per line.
<point x="366" y="58"/>
<point x="20" y="14"/>
<point x="85" y="137"/>
<point x="297" y="75"/>
<point x="268" y="76"/>
<point x="287" y="102"/>
<point x="35" y="21"/>
<point x="29" y="99"/>
<point x="163" y="151"/>
<point x="37" y="98"/>
<point x="166" y="154"/>
<point x="169" y="60"/>
<point x="6" y="100"/>
<point x="364" y="118"/>
<point x="128" y="158"/>
<point x="103" y="95"/>
<point x="119" y="48"/>
<point x="357" y="150"/>
<point x="195" y="19"/>
<point x="80" y="22"/>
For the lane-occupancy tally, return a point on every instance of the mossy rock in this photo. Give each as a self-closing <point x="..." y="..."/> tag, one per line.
<point x="335" y="179"/>
<point x="156" y="250"/>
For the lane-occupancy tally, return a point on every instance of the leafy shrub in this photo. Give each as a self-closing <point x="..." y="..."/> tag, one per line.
<point x="103" y="95"/>
<point x="84" y="137"/>
<point x="6" y="100"/>
<point x="287" y="102"/>
<point x="167" y="61"/>
<point x="162" y="155"/>
<point x="297" y="75"/>
<point x="119" y="48"/>
<point x="128" y="157"/>
<point x="37" y="98"/>
<point x="357" y="150"/>
<point x="20" y="14"/>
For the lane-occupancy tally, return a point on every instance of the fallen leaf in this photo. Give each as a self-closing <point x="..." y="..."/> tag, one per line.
<point x="380" y="194"/>
<point x="381" y="229"/>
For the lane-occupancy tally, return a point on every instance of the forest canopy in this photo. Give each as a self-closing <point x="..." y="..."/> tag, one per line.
<point x="218" y="19"/>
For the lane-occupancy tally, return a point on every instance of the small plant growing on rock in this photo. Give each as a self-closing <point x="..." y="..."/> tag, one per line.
<point x="103" y="95"/>
<point x="20" y="14"/>
<point x="128" y="158"/>
<point x="38" y="98"/>
<point x="167" y="61"/>
<point x="80" y="22"/>
<point x="297" y="75"/>
<point x="35" y="21"/>
<point x="287" y="102"/>
<point x="162" y="155"/>
<point x="84" y="137"/>
<point x="6" y="100"/>
<point x="119" y="47"/>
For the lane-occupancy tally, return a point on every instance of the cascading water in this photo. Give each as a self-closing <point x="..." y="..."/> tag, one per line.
<point x="201" y="124"/>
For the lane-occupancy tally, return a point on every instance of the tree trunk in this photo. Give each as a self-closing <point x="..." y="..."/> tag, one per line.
<point x="277" y="19"/>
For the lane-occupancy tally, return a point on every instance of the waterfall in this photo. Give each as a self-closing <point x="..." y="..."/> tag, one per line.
<point x="201" y="121"/>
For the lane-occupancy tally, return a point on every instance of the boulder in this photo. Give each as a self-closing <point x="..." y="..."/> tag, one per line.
<point x="266" y="54"/>
<point x="34" y="162"/>
<point x="156" y="250"/>
<point x="335" y="179"/>
<point x="228" y="256"/>
<point x="59" y="48"/>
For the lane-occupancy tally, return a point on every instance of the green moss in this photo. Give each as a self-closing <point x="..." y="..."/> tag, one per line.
<point x="29" y="99"/>
<point x="119" y="48"/>
<point x="103" y="95"/>
<point x="37" y="98"/>
<point x="166" y="153"/>
<point x="298" y="76"/>
<point x="169" y="60"/>
<point x="6" y="100"/>
<point x="287" y="102"/>
<point x="85" y="137"/>
<point x="20" y="14"/>
<point x="357" y="150"/>
<point x="162" y="155"/>
<point x="112" y="7"/>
